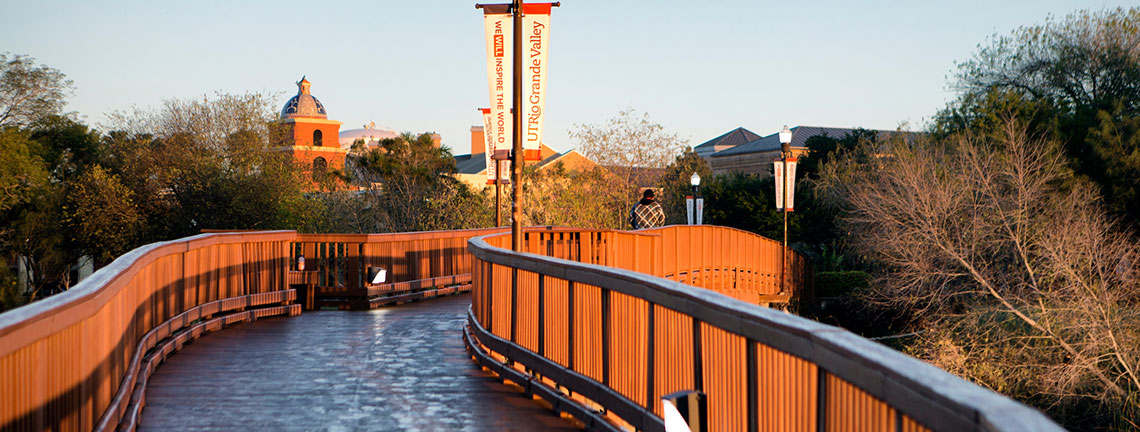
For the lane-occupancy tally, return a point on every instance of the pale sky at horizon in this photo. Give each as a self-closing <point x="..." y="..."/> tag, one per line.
<point x="698" y="69"/>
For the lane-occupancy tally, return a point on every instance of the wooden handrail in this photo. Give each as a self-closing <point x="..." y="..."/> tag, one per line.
<point x="64" y="359"/>
<point x="643" y="336"/>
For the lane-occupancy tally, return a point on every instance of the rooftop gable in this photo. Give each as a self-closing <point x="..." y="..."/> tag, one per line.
<point x="800" y="135"/>
<point x="735" y="137"/>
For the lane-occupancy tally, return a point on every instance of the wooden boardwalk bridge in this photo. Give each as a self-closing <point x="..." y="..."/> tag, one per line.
<point x="402" y="368"/>
<point x="598" y="324"/>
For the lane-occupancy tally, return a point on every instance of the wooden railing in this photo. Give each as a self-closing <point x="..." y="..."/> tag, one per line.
<point x="79" y="360"/>
<point x="732" y="262"/>
<point x="582" y="320"/>
<point x="415" y="262"/>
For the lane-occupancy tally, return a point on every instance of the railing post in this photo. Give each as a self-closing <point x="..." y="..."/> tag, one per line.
<point x="605" y="336"/>
<point x="753" y="397"/>
<point x="514" y="304"/>
<point x="698" y="372"/>
<point x="570" y="325"/>
<point x="541" y="314"/>
<point x="650" y="356"/>
<point x="490" y="296"/>
<point x="821" y="399"/>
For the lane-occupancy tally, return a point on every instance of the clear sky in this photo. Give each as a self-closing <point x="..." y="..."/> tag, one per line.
<point x="698" y="68"/>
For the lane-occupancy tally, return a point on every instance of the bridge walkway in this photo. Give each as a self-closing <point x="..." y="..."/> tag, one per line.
<point x="396" y="368"/>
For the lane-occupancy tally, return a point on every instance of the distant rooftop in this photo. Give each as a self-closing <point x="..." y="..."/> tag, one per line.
<point x="466" y="164"/>
<point x="735" y="137"/>
<point x="800" y="135"/>
<point x="303" y="104"/>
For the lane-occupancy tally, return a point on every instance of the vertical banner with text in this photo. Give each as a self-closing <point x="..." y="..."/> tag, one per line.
<point x="536" y="46"/>
<point x="498" y="30"/>
<point x="489" y="144"/>
<point x="494" y="166"/>
<point x="785" y="184"/>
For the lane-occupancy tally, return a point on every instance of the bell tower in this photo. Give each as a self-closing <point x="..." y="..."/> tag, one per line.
<point x="315" y="137"/>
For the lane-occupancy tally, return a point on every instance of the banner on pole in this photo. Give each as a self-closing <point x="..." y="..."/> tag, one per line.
<point x="785" y="183"/>
<point x="700" y="211"/>
<point x="498" y="31"/>
<point x="536" y="45"/>
<point x="689" y="209"/>
<point x="791" y="184"/>
<point x="489" y="147"/>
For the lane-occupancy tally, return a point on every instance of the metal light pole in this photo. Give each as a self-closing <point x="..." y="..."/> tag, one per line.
<point x="517" y="148"/>
<point x="695" y="180"/>
<point x="785" y="151"/>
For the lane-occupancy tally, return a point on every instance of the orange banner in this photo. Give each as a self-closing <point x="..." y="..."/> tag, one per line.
<point x="498" y="30"/>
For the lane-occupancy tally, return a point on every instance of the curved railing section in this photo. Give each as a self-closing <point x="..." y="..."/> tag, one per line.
<point x="732" y="262"/>
<point x="79" y="360"/>
<point x="417" y="265"/>
<point x="591" y="321"/>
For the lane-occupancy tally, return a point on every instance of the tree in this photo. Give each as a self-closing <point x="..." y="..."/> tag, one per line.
<point x="23" y="178"/>
<point x="1078" y="74"/>
<point x="585" y="199"/>
<point x="417" y="189"/>
<point x="746" y="202"/>
<point x="1012" y="275"/>
<point x="634" y="150"/>
<point x="38" y="237"/>
<point x="628" y="144"/>
<point x="821" y="148"/>
<point x="101" y="215"/>
<point x="1115" y="140"/>
<point x="22" y="171"/>
<point x="29" y="92"/>
<point x="676" y="184"/>
<point x="210" y="163"/>
<point x="1087" y="60"/>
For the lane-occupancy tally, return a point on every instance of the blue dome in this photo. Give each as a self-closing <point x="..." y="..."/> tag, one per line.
<point x="303" y="104"/>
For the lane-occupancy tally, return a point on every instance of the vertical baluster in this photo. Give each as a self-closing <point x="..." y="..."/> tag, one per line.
<point x="490" y="324"/>
<point x="821" y="399"/>
<point x="698" y="372"/>
<point x="514" y="304"/>
<point x="570" y="325"/>
<point x="650" y="357"/>
<point x="753" y="398"/>
<point x="605" y="337"/>
<point x="542" y="315"/>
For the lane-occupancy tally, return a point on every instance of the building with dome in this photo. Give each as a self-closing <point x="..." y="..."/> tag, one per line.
<point x="369" y="134"/>
<point x="316" y="139"/>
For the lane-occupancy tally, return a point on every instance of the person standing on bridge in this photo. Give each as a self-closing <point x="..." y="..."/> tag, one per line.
<point x="647" y="213"/>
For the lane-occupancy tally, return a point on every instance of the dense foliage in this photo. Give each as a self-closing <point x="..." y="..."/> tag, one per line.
<point x="1080" y="75"/>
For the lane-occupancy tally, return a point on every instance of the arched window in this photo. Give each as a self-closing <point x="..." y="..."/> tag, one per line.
<point x="320" y="165"/>
<point x="318" y="138"/>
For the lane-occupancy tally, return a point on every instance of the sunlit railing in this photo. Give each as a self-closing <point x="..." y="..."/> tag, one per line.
<point x="583" y="320"/>
<point x="79" y="360"/>
<point x="414" y="262"/>
<point x="598" y="322"/>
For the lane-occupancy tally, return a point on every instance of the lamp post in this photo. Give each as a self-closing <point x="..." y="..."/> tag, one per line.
<point x="698" y="202"/>
<point x="518" y="125"/>
<point x="785" y="152"/>
<point x="693" y="202"/>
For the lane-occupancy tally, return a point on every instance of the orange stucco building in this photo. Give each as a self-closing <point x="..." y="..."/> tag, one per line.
<point x="315" y="138"/>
